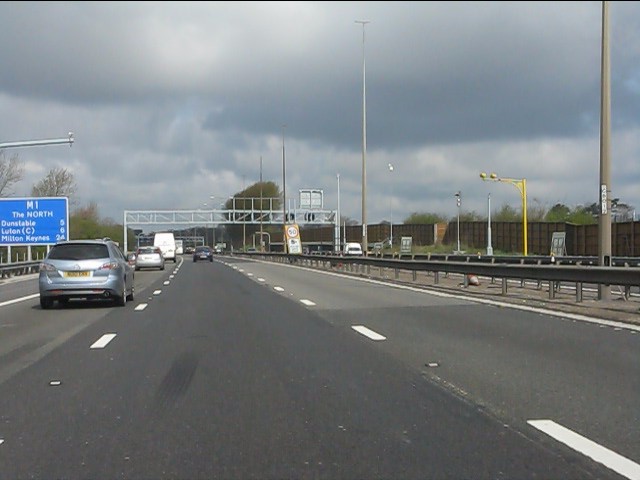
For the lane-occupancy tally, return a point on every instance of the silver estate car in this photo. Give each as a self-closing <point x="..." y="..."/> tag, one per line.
<point x="149" y="257"/>
<point x="87" y="269"/>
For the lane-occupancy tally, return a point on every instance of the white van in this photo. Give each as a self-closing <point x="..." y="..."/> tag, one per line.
<point x="167" y="243"/>
<point x="179" y="247"/>
<point x="352" y="249"/>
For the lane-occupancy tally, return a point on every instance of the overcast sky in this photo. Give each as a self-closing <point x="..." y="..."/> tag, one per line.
<point x="172" y="103"/>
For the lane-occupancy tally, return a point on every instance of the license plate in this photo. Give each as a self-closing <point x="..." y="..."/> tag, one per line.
<point x="77" y="274"/>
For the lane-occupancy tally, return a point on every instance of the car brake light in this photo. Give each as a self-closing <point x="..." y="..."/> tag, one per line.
<point x="47" y="267"/>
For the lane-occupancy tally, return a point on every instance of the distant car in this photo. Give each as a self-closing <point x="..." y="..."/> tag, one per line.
<point x="149" y="257"/>
<point x="87" y="269"/>
<point x="353" y="249"/>
<point x="189" y="250"/>
<point x="203" y="253"/>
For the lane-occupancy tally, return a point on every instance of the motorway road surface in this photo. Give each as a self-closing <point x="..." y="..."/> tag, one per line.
<point x="243" y="369"/>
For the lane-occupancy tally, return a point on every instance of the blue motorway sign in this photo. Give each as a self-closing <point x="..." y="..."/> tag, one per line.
<point x="34" y="221"/>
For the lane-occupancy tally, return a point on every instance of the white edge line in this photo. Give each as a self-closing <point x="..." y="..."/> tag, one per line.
<point x="21" y="299"/>
<point x="427" y="290"/>
<point x="278" y="289"/>
<point x="368" y="333"/>
<point x="103" y="341"/>
<point x="600" y="454"/>
<point x="308" y="303"/>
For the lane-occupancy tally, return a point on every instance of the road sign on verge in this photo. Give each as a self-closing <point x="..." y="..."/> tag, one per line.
<point x="34" y="220"/>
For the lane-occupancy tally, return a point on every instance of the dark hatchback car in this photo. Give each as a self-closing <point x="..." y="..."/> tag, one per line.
<point x="203" y="253"/>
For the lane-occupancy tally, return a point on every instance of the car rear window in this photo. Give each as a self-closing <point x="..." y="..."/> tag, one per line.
<point x="81" y="251"/>
<point x="149" y="250"/>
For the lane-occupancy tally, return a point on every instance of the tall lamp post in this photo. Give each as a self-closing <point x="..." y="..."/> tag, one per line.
<point x="365" y="240"/>
<point x="337" y="235"/>
<point x="521" y="185"/>
<point x="391" y="209"/>
<point x="458" y="204"/>
<point x="261" y="214"/>
<point x="284" y="198"/>
<point x="604" y="217"/>
<point x="489" y="247"/>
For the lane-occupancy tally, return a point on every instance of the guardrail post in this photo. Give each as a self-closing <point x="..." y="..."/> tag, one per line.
<point x="368" y="269"/>
<point x="414" y="275"/>
<point x="552" y="290"/>
<point x="504" y="286"/>
<point x="397" y="273"/>
<point x="436" y="277"/>
<point x="627" y="292"/>
<point x="578" y="292"/>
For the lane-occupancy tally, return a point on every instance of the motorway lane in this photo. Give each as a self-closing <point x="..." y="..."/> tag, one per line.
<point x="518" y="365"/>
<point x="222" y="377"/>
<point x="28" y="333"/>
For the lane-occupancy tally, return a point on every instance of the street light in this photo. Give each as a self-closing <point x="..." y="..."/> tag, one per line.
<point x="391" y="209"/>
<point x="337" y="235"/>
<point x="521" y="185"/>
<point x="458" y="204"/>
<point x="365" y="241"/>
<point x="489" y="247"/>
<point x="284" y="198"/>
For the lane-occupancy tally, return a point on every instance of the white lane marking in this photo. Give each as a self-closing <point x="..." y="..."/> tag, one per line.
<point x="171" y="276"/>
<point x="140" y="307"/>
<point x="167" y="282"/>
<point x="600" y="454"/>
<point x="368" y="333"/>
<point x="260" y="279"/>
<point x="103" y="341"/>
<point x="21" y="299"/>
<point x="157" y="292"/>
<point x="278" y="289"/>
<point x="427" y="290"/>
<point x="241" y="269"/>
<point x="1" y="441"/>
<point x="249" y="274"/>
<point x="308" y="303"/>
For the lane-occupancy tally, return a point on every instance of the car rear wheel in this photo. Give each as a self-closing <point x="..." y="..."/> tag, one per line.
<point x="131" y="295"/>
<point x="121" y="300"/>
<point x="46" y="303"/>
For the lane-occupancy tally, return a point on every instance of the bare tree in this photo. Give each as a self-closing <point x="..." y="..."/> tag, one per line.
<point x="11" y="172"/>
<point x="59" y="182"/>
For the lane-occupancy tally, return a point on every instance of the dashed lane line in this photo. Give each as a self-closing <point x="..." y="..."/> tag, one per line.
<point x="368" y="333"/>
<point x="103" y="341"/>
<point x="600" y="454"/>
